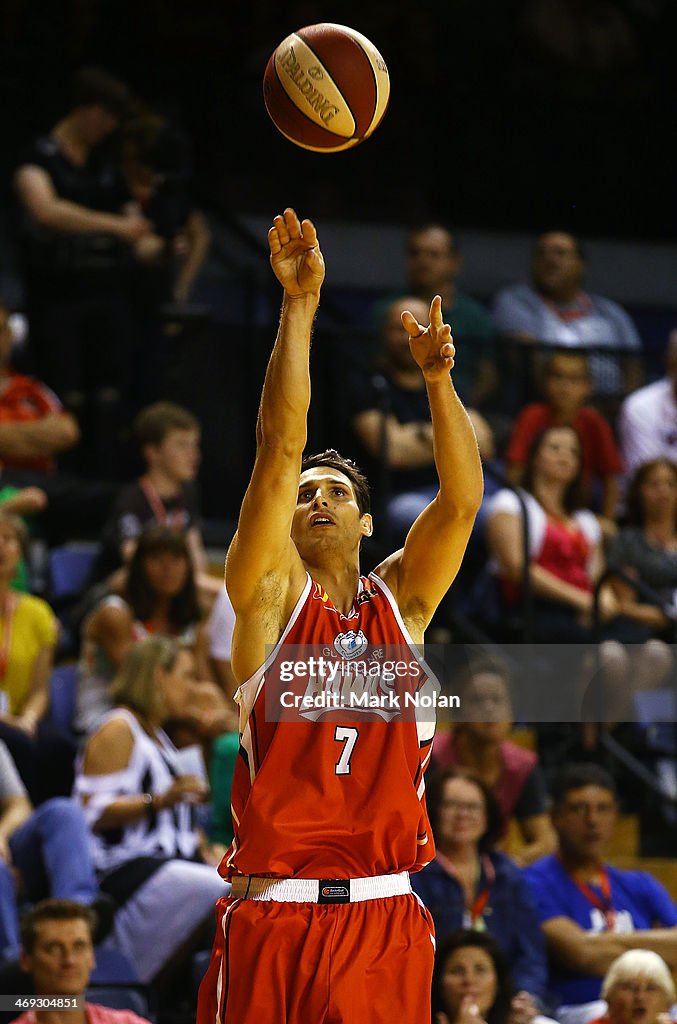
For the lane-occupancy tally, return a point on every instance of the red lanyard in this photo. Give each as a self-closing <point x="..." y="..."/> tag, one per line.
<point x="473" y="913"/>
<point x="160" y="514"/>
<point x="8" y="621"/>
<point x="582" y="307"/>
<point x="604" y="903"/>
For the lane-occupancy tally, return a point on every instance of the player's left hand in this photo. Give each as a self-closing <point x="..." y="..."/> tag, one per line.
<point x="432" y="347"/>
<point x="295" y="255"/>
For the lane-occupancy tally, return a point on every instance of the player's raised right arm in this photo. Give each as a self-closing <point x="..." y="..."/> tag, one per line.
<point x="262" y="546"/>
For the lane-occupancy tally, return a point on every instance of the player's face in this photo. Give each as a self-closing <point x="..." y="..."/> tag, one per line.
<point x="166" y="573"/>
<point x="487" y="713"/>
<point x="327" y="515"/>
<point x="178" y="455"/>
<point x="462" y="818"/>
<point x="62" y="958"/>
<point x="10" y="550"/>
<point x="431" y="260"/>
<point x="584" y="822"/>
<point x="658" y="491"/>
<point x="636" y="1000"/>
<point x="556" y="264"/>
<point x="469" y="973"/>
<point x="558" y="456"/>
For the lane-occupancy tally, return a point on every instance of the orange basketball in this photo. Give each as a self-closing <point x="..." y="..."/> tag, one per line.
<point x="326" y="87"/>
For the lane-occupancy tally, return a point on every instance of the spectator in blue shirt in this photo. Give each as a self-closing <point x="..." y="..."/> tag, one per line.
<point x="470" y="884"/>
<point x="590" y="911"/>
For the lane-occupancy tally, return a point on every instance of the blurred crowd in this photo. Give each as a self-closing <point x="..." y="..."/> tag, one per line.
<point x="118" y="729"/>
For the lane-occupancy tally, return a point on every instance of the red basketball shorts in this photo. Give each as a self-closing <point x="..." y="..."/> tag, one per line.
<point x="304" y="963"/>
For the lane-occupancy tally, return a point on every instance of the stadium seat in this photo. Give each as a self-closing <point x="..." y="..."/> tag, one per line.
<point x="69" y="568"/>
<point x="62" y="691"/>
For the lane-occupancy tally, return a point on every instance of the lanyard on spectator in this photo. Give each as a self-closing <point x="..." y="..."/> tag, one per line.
<point x="8" y="621"/>
<point x="472" y="915"/>
<point x="604" y="903"/>
<point x="581" y="307"/>
<point x="160" y="514"/>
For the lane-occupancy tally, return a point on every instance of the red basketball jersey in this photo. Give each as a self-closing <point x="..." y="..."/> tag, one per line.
<point x="341" y="796"/>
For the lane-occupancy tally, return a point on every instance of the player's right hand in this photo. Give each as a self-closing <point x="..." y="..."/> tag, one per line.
<point x="295" y="255"/>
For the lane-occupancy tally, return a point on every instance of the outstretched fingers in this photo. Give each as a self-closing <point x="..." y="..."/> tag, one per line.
<point x="287" y="227"/>
<point x="411" y="325"/>
<point x="436" y="311"/>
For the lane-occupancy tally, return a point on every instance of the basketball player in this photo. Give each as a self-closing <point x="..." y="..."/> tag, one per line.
<point x="329" y="818"/>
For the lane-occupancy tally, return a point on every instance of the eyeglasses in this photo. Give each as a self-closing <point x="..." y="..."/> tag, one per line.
<point x="459" y="806"/>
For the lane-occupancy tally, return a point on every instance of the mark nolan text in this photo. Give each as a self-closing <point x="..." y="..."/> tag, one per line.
<point x="392" y="701"/>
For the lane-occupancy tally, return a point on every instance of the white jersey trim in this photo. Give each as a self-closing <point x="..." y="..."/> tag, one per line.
<point x="425" y="718"/>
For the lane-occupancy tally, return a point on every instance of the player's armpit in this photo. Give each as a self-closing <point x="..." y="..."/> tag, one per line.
<point x="422" y="572"/>
<point x="262" y="546"/>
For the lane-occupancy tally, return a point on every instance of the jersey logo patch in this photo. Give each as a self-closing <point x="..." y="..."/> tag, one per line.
<point x="350" y="644"/>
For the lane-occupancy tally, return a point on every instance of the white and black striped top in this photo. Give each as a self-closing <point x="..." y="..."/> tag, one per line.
<point x="152" y="768"/>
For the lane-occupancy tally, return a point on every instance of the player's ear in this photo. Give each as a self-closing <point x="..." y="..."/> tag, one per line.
<point x="366" y="525"/>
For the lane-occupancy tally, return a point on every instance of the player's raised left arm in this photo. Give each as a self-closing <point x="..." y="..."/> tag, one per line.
<point x="422" y="572"/>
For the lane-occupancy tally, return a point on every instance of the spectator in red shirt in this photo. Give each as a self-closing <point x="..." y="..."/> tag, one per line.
<point x="34" y="426"/>
<point x="567" y="387"/>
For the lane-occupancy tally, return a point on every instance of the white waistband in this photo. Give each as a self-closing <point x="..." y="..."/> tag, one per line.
<point x="316" y="890"/>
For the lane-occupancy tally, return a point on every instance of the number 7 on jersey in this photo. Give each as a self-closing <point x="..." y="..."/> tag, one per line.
<point x="348" y="736"/>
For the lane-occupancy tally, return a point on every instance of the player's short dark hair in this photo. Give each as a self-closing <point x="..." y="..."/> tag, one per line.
<point x="93" y="86"/>
<point x="153" y="423"/>
<point x="577" y="776"/>
<point x="434" y="789"/>
<point x="54" y="910"/>
<point x="332" y="460"/>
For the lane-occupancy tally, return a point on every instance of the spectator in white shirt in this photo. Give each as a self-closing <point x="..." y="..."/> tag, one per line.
<point x="647" y="420"/>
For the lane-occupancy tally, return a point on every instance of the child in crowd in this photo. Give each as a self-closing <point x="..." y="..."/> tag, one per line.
<point x="165" y="493"/>
<point x="566" y="388"/>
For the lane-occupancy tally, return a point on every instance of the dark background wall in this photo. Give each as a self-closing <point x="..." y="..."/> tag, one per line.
<point x="507" y="117"/>
<point x="505" y="114"/>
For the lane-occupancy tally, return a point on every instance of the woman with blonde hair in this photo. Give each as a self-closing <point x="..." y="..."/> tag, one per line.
<point x="141" y="808"/>
<point x="638" y="989"/>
